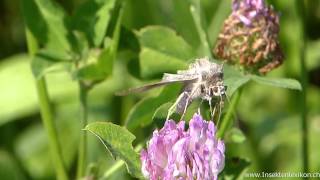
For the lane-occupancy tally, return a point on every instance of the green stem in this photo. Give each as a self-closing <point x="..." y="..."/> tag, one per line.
<point x="195" y="10"/>
<point x="304" y="83"/>
<point x="82" y="153"/>
<point x="46" y="115"/>
<point x="217" y="20"/>
<point x="227" y="119"/>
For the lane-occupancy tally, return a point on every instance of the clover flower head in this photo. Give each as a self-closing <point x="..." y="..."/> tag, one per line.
<point x="175" y="153"/>
<point x="250" y="36"/>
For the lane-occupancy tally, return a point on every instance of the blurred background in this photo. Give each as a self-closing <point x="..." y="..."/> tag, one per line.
<point x="269" y="117"/>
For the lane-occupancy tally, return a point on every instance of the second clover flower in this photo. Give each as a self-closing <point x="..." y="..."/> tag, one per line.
<point x="250" y="37"/>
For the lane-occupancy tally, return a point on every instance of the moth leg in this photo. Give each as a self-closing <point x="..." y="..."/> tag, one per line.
<point x="185" y="106"/>
<point x="187" y="101"/>
<point x="214" y="110"/>
<point x="220" y="109"/>
<point x="172" y="109"/>
<point x="210" y="105"/>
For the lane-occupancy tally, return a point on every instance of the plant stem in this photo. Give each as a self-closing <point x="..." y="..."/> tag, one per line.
<point x="82" y="151"/>
<point x="195" y="9"/>
<point x="217" y="20"/>
<point x="47" y="119"/>
<point x="227" y="119"/>
<point x="46" y="115"/>
<point x="304" y="83"/>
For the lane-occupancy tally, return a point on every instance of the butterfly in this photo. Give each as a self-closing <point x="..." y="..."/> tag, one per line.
<point x="203" y="79"/>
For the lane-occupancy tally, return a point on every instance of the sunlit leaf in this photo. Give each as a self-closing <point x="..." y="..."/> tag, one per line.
<point x="162" y="50"/>
<point x="118" y="140"/>
<point x="18" y="94"/>
<point x="11" y="85"/>
<point x="233" y="79"/>
<point x="278" y="82"/>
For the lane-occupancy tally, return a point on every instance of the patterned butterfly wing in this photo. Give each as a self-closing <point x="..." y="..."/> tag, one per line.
<point x="167" y="79"/>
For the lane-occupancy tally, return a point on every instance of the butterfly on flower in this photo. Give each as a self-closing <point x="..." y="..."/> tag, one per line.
<point x="203" y="79"/>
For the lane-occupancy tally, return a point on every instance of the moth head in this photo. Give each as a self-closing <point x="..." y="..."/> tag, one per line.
<point x="218" y="91"/>
<point x="220" y="69"/>
<point x="217" y="71"/>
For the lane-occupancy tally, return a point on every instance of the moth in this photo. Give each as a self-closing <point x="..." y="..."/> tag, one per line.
<point x="203" y="79"/>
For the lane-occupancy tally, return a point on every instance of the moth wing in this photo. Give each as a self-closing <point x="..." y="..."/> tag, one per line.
<point x="143" y="88"/>
<point x="179" y="77"/>
<point x="151" y="86"/>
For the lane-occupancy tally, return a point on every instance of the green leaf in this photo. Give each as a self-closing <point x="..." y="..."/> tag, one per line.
<point x="162" y="50"/>
<point x="9" y="168"/>
<point x="185" y="26"/>
<point x="235" y="135"/>
<point x="278" y="82"/>
<point x="92" y="18"/>
<point x="234" y="169"/>
<point x="98" y="65"/>
<point x="32" y="148"/>
<point x="141" y="114"/>
<point x="47" y="61"/>
<point x="11" y="85"/>
<point x="118" y="140"/>
<point x="162" y="111"/>
<point x="116" y="33"/>
<point x="233" y="79"/>
<point x="81" y="44"/>
<point x="18" y="94"/>
<point x="47" y="22"/>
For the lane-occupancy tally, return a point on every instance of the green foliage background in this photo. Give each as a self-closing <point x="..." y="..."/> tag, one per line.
<point x="154" y="37"/>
